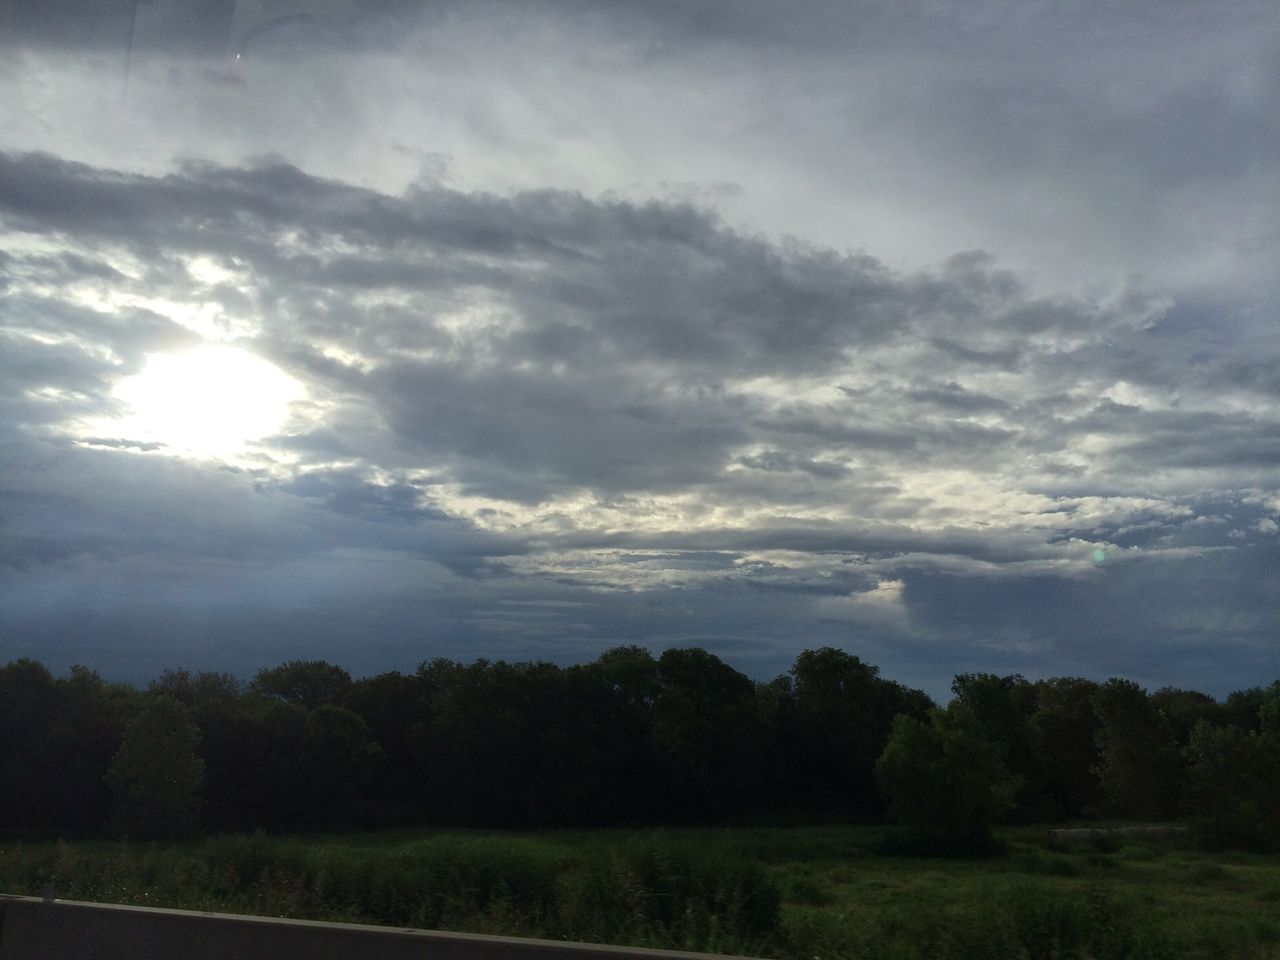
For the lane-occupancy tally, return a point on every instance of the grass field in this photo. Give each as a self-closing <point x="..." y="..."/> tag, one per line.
<point x="809" y="893"/>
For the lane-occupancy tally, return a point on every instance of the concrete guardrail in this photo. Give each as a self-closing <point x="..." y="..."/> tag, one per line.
<point x="35" y="929"/>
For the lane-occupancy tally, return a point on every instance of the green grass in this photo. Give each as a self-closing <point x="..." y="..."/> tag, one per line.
<point x="808" y="893"/>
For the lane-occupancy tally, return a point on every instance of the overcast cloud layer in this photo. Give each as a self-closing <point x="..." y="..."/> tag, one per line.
<point x="948" y="339"/>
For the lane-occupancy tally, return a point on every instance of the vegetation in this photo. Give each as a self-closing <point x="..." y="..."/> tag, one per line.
<point x="827" y="892"/>
<point x="628" y="740"/>
<point x="1234" y="782"/>
<point x="156" y="775"/>
<point x="240" y="781"/>
<point x="946" y="778"/>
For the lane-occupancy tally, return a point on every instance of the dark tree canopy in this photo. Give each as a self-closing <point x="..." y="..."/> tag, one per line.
<point x="629" y="738"/>
<point x="311" y="683"/>
<point x="946" y="777"/>
<point x="198" y="689"/>
<point x="57" y="737"/>
<point x="156" y="775"/>
<point x="843" y="713"/>
<point x="1005" y="707"/>
<point x="1233" y="792"/>
<point x="1140" y="767"/>
<point x="1067" y="726"/>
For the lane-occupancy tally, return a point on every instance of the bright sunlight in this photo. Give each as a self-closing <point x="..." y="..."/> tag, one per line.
<point x="209" y="402"/>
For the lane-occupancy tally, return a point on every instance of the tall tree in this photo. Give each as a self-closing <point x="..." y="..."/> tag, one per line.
<point x="341" y="766"/>
<point x="1233" y="786"/>
<point x="1067" y="725"/>
<point x="1243" y="708"/>
<point x="393" y="705"/>
<point x="1140" y="766"/>
<point x="1184" y="709"/>
<point x="1233" y="793"/>
<point x="156" y="775"/>
<point x="1004" y="706"/>
<point x="198" y="689"/>
<point x="945" y="777"/>
<point x="843" y="715"/>
<point x="310" y="683"/>
<point x="29" y="709"/>
<point x="706" y="728"/>
<point x="85" y="737"/>
<point x="618" y="693"/>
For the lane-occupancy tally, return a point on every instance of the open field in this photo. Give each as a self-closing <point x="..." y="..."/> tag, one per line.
<point x="803" y="892"/>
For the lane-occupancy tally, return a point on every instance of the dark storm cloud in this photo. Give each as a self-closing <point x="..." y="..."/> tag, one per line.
<point x="631" y="323"/>
<point x="952" y="396"/>
<point x="681" y="431"/>
<point x="665" y="282"/>
<point x="601" y="290"/>
<point x="112" y="504"/>
<point x="1193" y="614"/>
<point x="347" y="493"/>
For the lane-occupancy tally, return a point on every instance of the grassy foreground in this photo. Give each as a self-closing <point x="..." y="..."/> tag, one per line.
<point x="809" y="893"/>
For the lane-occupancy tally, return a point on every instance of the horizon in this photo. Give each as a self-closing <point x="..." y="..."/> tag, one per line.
<point x="942" y="699"/>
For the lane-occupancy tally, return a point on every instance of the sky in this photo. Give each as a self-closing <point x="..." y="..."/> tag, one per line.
<point x="946" y="334"/>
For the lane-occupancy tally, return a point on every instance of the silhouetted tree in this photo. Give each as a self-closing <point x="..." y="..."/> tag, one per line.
<point x="311" y="683"/>
<point x="1184" y="709"/>
<point x="1233" y="785"/>
<point x="1233" y="793"/>
<point x="628" y="738"/>
<point x="85" y="736"/>
<point x="1005" y="706"/>
<point x="256" y="771"/>
<point x="945" y="777"/>
<point x="57" y="738"/>
<point x="1243" y="708"/>
<point x="29" y="709"/>
<point x="1068" y="725"/>
<point x="618" y="693"/>
<point x="1139" y="763"/>
<point x="156" y="775"/>
<point x="788" y="794"/>
<point x="393" y="706"/>
<point x="198" y="689"/>
<point x="341" y="765"/>
<point x="487" y="743"/>
<point x="843" y="713"/>
<point x="706" y="730"/>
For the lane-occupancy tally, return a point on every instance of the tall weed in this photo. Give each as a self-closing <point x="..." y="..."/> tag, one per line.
<point x="645" y="890"/>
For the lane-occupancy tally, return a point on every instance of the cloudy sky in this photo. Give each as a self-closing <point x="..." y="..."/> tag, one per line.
<point x="944" y="333"/>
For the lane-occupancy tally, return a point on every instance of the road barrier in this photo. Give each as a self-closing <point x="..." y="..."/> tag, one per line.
<point x="35" y="929"/>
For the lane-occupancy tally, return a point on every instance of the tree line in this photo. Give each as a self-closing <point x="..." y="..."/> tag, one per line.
<point x="627" y="739"/>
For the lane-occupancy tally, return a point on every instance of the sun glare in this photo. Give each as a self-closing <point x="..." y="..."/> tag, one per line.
<point x="210" y="402"/>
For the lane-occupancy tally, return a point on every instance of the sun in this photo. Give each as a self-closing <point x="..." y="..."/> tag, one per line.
<point x="212" y="401"/>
